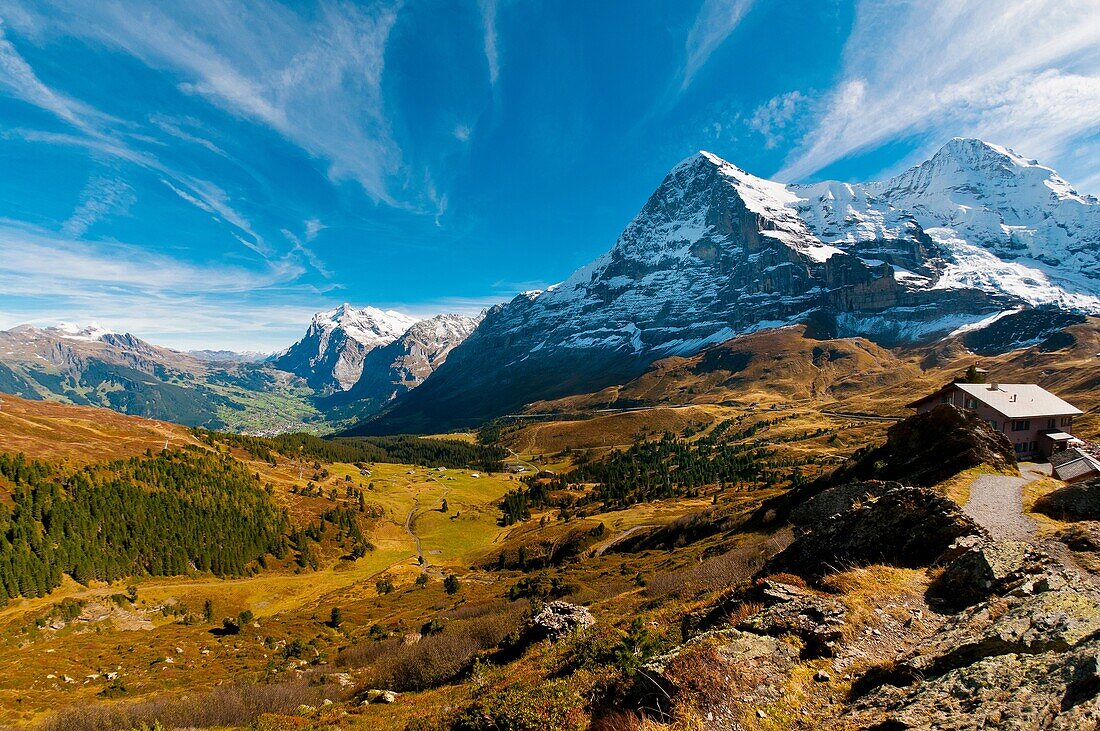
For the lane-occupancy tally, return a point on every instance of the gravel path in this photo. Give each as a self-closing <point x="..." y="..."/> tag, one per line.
<point x="996" y="503"/>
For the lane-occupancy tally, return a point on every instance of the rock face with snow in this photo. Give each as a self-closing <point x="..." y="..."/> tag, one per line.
<point x="955" y="243"/>
<point x="330" y="356"/>
<point x="394" y="369"/>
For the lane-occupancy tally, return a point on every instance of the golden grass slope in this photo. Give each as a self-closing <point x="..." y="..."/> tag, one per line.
<point x="49" y="430"/>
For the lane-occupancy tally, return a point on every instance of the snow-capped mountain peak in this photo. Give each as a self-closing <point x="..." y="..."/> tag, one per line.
<point x="370" y="326"/>
<point x="70" y="331"/>
<point x="716" y="252"/>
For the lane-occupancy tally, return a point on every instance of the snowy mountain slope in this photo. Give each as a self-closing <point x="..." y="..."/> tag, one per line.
<point x="404" y="364"/>
<point x="717" y="252"/>
<point x="330" y="356"/>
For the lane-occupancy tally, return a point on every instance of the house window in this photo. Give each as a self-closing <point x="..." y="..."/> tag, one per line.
<point x="971" y="402"/>
<point x="1050" y="423"/>
<point x="1024" y="447"/>
<point x="947" y="398"/>
<point x="993" y="423"/>
<point x="1021" y="425"/>
<point x="1067" y="421"/>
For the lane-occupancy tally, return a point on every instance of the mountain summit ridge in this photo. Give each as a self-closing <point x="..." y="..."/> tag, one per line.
<point x="717" y="252"/>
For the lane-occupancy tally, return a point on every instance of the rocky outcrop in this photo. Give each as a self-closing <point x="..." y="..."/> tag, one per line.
<point x="981" y="568"/>
<point x="929" y="448"/>
<point x="1025" y="658"/>
<point x="790" y="611"/>
<point x="1073" y="502"/>
<point x="725" y="674"/>
<point x="558" y="619"/>
<point x="1051" y="691"/>
<point x="903" y="526"/>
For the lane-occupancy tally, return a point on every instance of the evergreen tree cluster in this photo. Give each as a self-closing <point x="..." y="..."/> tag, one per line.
<point x="179" y="511"/>
<point x="351" y="450"/>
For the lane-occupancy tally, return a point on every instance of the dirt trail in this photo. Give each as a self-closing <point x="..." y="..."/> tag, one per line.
<point x="602" y="549"/>
<point x="996" y="503"/>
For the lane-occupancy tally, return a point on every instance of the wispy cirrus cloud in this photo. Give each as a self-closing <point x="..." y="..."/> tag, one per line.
<point x="1015" y="72"/>
<point x="46" y="277"/>
<point x="314" y="78"/>
<point x="489" y="41"/>
<point x="714" y="23"/>
<point x="100" y="198"/>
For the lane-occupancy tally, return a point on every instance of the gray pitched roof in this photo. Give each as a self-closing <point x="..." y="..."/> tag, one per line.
<point x="1019" y="400"/>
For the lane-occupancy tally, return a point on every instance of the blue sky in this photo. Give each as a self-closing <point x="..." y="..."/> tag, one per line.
<point x="208" y="174"/>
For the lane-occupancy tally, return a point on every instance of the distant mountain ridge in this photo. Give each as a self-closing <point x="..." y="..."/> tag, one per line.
<point x="957" y="242"/>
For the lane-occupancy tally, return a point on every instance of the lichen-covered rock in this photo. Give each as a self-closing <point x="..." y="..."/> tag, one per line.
<point x="1073" y="502"/>
<point x="906" y="526"/>
<point x="724" y="674"/>
<point x="1050" y="612"/>
<point x="837" y="500"/>
<point x="788" y="610"/>
<point x="1018" y="692"/>
<point x="980" y="568"/>
<point x="558" y="619"/>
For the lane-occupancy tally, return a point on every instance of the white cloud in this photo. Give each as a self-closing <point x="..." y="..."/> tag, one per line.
<point x="492" y="54"/>
<point x="317" y="81"/>
<point x="1016" y="72"/>
<point x="100" y="198"/>
<point x="772" y="118"/>
<point x="313" y="227"/>
<point x="714" y="23"/>
<point x="47" y="277"/>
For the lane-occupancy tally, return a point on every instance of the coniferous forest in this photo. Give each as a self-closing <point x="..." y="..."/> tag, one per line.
<point x="179" y="511"/>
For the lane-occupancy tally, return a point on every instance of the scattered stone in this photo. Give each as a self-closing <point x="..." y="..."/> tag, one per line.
<point x="558" y="619"/>
<point x="344" y="680"/>
<point x="822" y="677"/>
<point x="760" y="713"/>
<point x="375" y="695"/>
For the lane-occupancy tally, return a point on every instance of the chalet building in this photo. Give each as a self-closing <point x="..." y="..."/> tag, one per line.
<point x="1036" y="421"/>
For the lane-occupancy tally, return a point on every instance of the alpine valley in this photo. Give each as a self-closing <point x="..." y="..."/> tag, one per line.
<point x="976" y="241"/>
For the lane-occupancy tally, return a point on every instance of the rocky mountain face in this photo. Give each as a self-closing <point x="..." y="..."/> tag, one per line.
<point x="394" y="369"/>
<point x="92" y="366"/>
<point x="953" y="244"/>
<point x="330" y="356"/>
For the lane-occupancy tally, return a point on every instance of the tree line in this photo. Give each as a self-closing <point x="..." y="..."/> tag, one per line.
<point x="173" y="513"/>
<point x="394" y="450"/>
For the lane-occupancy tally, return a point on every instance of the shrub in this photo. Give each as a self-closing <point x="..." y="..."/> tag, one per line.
<point x="233" y="706"/>
<point x="437" y="658"/>
<point x="549" y="706"/>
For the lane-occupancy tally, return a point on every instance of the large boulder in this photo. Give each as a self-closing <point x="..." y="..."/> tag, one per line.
<point x="726" y="675"/>
<point x="558" y="619"/>
<point x="981" y="568"/>
<point x="1073" y="502"/>
<point x="928" y="448"/>
<point x="923" y="450"/>
<point x="904" y="526"/>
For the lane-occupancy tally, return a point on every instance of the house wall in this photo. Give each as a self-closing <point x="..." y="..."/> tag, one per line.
<point x="1026" y="441"/>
